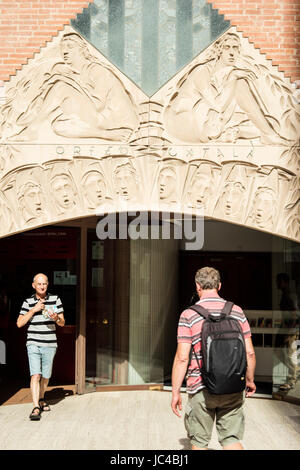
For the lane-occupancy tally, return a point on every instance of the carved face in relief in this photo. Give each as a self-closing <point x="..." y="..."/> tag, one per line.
<point x="31" y="201"/>
<point x="263" y="207"/>
<point x="63" y="192"/>
<point x="230" y="50"/>
<point x="94" y="188"/>
<point x="167" y="184"/>
<point x="201" y="189"/>
<point x="232" y="198"/>
<point x="126" y="181"/>
<point x="72" y="48"/>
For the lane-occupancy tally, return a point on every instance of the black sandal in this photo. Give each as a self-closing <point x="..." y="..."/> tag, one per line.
<point x="44" y="405"/>
<point x="35" y="416"/>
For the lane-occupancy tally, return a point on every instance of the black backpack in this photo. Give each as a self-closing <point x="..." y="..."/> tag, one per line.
<point x="223" y="351"/>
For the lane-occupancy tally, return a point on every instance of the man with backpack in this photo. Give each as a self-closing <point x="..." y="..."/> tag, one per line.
<point x="214" y="344"/>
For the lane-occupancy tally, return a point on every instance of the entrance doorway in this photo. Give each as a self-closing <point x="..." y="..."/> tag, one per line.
<point x="107" y="311"/>
<point x="53" y="251"/>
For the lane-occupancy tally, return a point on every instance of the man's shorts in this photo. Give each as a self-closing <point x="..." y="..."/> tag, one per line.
<point x="201" y="410"/>
<point x="40" y="360"/>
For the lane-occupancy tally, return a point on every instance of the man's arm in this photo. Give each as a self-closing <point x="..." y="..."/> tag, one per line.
<point x="180" y="365"/>
<point x="58" y="316"/>
<point x="251" y="363"/>
<point x="24" y="318"/>
<point x="60" y="319"/>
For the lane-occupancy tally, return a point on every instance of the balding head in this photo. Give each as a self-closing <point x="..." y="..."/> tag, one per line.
<point x="40" y="275"/>
<point x="40" y="285"/>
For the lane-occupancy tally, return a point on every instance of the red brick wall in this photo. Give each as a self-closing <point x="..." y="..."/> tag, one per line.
<point x="26" y="26"/>
<point x="272" y="25"/>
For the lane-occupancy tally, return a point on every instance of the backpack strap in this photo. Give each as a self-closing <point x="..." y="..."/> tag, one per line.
<point x="227" y="308"/>
<point x="200" y="310"/>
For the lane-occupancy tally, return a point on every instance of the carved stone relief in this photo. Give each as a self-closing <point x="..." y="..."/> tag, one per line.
<point x="228" y="96"/>
<point x="73" y="94"/>
<point x="220" y="139"/>
<point x="200" y="186"/>
<point x="234" y="192"/>
<point x="92" y="180"/>
<point x="62" y="189"/>
<point x="267" y="199"/>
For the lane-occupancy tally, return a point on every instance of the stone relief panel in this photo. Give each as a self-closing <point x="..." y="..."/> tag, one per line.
<point x="220" y="139"/>
<point x="229" y="94"/>
<point x="69" y="92"/>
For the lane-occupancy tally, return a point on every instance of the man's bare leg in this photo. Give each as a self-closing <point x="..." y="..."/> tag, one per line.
<point x="35" y="390"/>
<point x="43" y="387"/>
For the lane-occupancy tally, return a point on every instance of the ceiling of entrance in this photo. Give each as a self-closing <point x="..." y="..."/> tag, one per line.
<point x="150" y="40"/>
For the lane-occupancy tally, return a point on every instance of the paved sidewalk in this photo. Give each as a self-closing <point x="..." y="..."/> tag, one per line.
<point x="140" y="420"/>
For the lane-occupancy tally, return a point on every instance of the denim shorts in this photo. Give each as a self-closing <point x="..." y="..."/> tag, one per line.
<point x="40" y="360"/>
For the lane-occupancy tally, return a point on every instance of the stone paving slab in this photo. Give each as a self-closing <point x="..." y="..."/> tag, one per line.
<point x="136" y="420"/>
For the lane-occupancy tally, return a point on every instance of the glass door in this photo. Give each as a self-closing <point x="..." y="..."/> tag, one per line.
<point x="99" y="311"/>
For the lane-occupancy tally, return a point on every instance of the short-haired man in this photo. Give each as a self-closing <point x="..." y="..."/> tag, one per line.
<point x="203" y="407"/>
<point x="43" y="312"/>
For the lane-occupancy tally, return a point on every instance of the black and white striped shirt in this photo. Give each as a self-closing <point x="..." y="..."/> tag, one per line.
<point x="41" y="329"/>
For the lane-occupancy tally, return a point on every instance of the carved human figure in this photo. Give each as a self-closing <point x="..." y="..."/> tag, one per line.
<point x="63" y="193"/>
<point x="80" y="98"/>
<point x="218" y="100"/>
<point x="167" y="184"/>
<point x="94" y="188"/>
<point x="126" y="182"/>
<point x="232" y="201"/>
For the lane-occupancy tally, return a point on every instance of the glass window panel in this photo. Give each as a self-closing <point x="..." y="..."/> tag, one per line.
<point x="150" y="40"/>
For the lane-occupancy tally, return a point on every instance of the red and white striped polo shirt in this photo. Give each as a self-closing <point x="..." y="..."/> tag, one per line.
<point x="189" y="331"/>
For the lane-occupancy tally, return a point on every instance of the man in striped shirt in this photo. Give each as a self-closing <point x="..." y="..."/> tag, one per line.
<point x="202" y="406"/>
<point x="42" y="311"/>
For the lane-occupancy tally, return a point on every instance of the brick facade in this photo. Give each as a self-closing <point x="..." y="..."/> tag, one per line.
<point x="272" y="25"/>
<point x="26" y="26"/>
